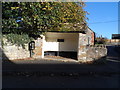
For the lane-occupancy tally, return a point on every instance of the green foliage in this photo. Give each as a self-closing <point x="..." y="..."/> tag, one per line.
<point x="41" y="16"/>
<point x="100" y="40"/>
<point x="37" y="17"/>
<point x="17" y="39"/>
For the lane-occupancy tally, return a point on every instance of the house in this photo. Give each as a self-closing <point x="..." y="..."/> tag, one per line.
<point x="63" y="43"/>
<point x="115" y="36"/>
<point x="115" y="39"/>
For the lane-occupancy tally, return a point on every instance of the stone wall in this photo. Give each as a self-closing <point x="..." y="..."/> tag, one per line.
<point x="113" y="41"/>
<point x="85" y="53"/>
<point x="90" y="36"/>
<point x="12" y="52"/>
<point x="82" y="42"/>
<point x="38" y="52"/>
<point x="89" y="53"/>
<point x="15" y="52"/>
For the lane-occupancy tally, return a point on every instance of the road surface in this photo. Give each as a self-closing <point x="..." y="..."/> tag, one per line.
<point x="56" y="74"/>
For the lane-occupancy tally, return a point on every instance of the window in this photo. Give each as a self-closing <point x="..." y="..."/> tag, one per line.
<point x="60" y="40"/>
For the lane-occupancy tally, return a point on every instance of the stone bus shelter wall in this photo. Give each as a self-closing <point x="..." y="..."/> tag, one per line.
<point x="85" y="52"/>
<point x="89" y="52"/>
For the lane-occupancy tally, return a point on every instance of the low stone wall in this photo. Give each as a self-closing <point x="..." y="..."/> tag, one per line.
<point x="38" y="52"/>
<point x="91" y="53"/>
<point x="12" y="52"/>
<point x="96" y="53"/>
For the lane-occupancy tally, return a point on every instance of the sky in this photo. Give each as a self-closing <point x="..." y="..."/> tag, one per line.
<point x="103" y="18"/>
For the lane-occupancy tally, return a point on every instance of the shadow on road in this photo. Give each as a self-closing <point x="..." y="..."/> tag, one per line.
<point x="113" y="54"/>
<point x="88" y="75"/>
<point x="57" y="66"/>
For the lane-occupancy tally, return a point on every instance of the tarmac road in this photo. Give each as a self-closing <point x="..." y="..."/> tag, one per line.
<point x="57" y="74"/>
<point x="113" y="53"/>
<point x="61" y="81"/>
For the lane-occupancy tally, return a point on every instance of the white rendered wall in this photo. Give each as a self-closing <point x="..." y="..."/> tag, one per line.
<point x="70" y="42"/>
<point x="51" y="46"/>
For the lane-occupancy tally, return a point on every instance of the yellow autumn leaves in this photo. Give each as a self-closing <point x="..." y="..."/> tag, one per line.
<point x="14" y="8"/>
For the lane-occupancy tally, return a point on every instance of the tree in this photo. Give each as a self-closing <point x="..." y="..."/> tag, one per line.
<point x="32" y="18"/>
<point x="40" y="16"/>
<point x="100" y="40"/>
